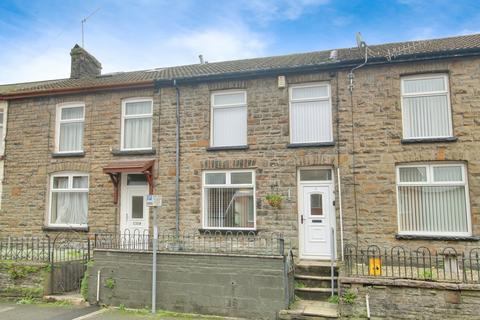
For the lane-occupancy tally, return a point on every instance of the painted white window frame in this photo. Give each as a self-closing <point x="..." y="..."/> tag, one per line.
<point x="327" y="98"/>
<point x="429" y="166"/>
<point x="3" y="124"/>
<point x="135" y="116"/>
<point x="445" y="92"/>
<point x="228" y="184"/>
<point x="225" y="106"/>
<point x="69" y="175"/>
<point x="59" y="121"/>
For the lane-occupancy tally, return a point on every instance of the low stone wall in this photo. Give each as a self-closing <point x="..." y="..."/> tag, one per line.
<point x="217" y="284"/>
<point x="408" y="299"/>
<point x="24" y="279"/>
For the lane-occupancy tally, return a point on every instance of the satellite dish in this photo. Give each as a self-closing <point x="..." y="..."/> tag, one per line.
<point x="360" y="43"/>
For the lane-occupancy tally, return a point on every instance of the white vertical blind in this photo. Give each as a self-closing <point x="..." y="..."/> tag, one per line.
<point x="426" y="107"/>
<point x="70" y="128"/>
<point x="137" y="124"/>
<point x="311" y="114"/>
<point x="229" y="119"/>
<point x="229" y="200"/>
<point x="432" y="199"/>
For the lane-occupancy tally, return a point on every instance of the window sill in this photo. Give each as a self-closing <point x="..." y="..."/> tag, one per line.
<point x="58" y="228"/>
<point x="225" y="231"/>
<point x="441" y="238"/>
<point x="245" y="147"/>
<point x="68" y="154"/>
<point x="311" y="145"/>
<point x="429" y="140"/>
<point x="134" y="152"/>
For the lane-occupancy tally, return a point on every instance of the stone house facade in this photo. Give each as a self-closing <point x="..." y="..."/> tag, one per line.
<point x="354" y="157"/>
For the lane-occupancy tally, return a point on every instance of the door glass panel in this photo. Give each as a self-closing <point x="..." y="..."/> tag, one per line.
<point x="241" y="178"/>
<point x="136" y="180"/>
<point x="215" y="178"/>
<point x="137" y="207"/>
<point x="316" y="175"/>
<point x="316" y="206"/>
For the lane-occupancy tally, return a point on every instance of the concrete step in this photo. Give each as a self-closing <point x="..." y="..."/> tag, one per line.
<point x="315" y="268"/>
<point x="315" y="281"/>
<point x="310" y="310"/>
<point x="316" y="294"/>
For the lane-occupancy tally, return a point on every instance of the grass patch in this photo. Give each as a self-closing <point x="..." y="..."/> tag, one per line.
<point x="165" y="314"/>
<point x="349" y="297"/>
<point x="333" y="299"/>
<point x="300" y="284"/>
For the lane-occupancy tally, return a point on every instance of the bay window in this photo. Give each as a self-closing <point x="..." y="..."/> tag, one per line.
<point x="426" y="107"/>
<point x="68" y="199"/>
<point x="69" y="127"/>
<point x="432" y="199"/>
<point x="229" y="200"/>
<point x="137" y="124"/>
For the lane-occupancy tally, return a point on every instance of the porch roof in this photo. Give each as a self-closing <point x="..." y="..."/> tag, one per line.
<point x="115" y="168"/>
<point x="129" y="166"/>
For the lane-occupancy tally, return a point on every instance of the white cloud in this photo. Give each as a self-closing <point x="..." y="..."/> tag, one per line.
<point x="269" y="10"/>
<point x="218" y="44"/>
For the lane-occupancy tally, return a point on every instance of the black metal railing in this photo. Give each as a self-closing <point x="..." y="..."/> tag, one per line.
<point x="202" y="242"/>
<point x="422" y="263"/>
<point x="45" y="249"/>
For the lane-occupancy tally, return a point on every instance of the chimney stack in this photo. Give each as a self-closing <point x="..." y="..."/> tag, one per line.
<point x="83" y="64"/>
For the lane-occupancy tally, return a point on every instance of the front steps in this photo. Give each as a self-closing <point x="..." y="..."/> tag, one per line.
<point x="313" y="288"/>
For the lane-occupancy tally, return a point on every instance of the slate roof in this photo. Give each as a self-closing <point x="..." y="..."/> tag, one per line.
<point x="387" y="52"/>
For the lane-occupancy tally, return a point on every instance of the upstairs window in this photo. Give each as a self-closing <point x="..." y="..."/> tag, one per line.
<point x="229" y="119"/>
<point x="2" y="132"/>
<point x="310" y="113"/>
<point x="68" y="199"/>
<point x="137" y="124"/>
<point x="69" y="128"/>
<point x="433" y="200"/>
<point x="426" y="107"/>
<point x="229" y="200"/>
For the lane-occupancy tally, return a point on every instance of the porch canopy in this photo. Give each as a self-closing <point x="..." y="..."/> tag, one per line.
<point x="114" y="169"/>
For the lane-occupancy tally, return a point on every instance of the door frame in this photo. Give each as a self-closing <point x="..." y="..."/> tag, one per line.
<point x="333" y="217"/>
<point x="123" y="201"/>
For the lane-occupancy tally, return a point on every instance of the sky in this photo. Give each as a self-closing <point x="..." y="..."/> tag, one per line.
<point x="36" y="36"/>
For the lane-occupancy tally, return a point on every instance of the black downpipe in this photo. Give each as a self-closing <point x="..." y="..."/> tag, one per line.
<point x="177" y="160"/>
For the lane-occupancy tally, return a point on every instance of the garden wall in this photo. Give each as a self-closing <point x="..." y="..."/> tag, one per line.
<point x="24" y="279"/>
<point x="408" y="299"/>
<point x="218" y="284"/>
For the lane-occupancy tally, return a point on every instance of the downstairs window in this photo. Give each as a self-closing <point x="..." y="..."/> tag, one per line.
<point x="433" y="200"/>
<point x="229" y="200"/>
<point x="68" y="200"/>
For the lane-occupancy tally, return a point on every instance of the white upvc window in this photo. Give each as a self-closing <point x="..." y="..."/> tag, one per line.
<point x="229" y="119"/>
<point x="68" y="205"/>
<point x="229" y="200"/>
<point x="311" y="113"/>
<point x="137" y="124"/>
<point x="2" y="131"/>
<point x="70" y="118"/>
<point x="432" y="199"/>
<point x="426" y="107"/>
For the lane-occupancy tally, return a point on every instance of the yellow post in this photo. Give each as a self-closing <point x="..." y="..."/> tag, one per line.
<point x="374" y="267"/>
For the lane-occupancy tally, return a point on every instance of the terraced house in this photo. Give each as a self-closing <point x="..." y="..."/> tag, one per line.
<point x="365" y="155"/>
<point x="363" y="145"/>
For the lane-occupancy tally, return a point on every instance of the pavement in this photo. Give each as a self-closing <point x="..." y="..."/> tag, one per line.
<point x="55" y="311"/>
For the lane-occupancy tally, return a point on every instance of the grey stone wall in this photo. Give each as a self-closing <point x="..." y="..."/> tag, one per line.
<point x="225" y="285"/>
<point x="409" y="299"/>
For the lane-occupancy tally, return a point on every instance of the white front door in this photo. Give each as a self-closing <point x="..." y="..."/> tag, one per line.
<point x="316" y="221"/>
<point x="134" y="210"/>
